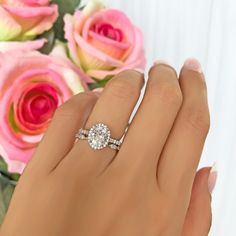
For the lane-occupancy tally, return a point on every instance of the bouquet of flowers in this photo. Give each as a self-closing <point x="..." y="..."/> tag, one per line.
<point x="50" y="51"/>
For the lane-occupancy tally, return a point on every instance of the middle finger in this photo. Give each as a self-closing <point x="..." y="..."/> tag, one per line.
<point x="155" y="117"/>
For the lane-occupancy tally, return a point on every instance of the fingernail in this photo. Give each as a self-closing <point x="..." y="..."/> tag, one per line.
<point x="193" y="64"/>
<point x="212" y="179"/>
<point x="139" y="70"/>
<point x="98" y="90"/>
<point x="159" y="62"/>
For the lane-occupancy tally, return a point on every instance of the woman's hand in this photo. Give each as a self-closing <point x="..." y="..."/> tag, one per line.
<point x="145" y="189"/>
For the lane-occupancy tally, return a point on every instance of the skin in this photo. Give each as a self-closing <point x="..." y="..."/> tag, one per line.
<point x="150" y="187"/>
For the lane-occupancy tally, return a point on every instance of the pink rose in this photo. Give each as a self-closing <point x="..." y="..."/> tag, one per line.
<point x="103" y="41"/>
<point x="25" y="19"/>
<point x="32" y="86"/>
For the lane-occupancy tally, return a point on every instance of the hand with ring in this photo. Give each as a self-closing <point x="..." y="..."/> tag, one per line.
<point x="98" y="173"/>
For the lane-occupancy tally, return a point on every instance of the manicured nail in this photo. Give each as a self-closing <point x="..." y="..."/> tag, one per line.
<point x="212" y="179"/>
<point x="139" y="70"/>
<point x="159" y="62"/>
<point x="193" y="64"/>
<point x="98" y="90"/>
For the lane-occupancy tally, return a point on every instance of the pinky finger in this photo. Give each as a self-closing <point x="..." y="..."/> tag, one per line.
<point x="199" y="217"/>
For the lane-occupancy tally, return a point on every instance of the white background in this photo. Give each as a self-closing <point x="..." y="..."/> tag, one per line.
<point x="206" y="29"/>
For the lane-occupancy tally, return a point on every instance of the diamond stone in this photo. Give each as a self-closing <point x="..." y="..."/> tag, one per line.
<point x="98" y="136"/>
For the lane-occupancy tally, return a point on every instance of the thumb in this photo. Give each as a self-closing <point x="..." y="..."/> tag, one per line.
<point x="198" y="218"/>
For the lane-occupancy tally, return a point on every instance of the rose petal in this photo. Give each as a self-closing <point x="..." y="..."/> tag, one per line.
<point x="107" y="41"/>
<point x="69" y="35"/>
<point x="9" y="28"/>
<point x="138" y="50"/>
<point x="99" y="55"/>
<point x="45" y="24"/>
<point x="136" y="60"/>
<point x="27" y="119"/>
<point x="33" y="20"/>
<point x="36" y="3"/>
<point x="24" y="46"/>
<point x="28" y="12"/>
<point x="101" y="74"/>
<point x="92" y="7"/>
<point x="116" y="19"/>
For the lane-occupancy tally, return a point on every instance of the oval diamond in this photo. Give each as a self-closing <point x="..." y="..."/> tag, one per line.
<point x="98" y="136"/>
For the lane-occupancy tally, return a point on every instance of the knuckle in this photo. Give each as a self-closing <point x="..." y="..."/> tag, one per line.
<point x="76" y="104"/>
<point x="167" y="92"/>
<point x="123" y="88"/>
<point x="197" y="118"/>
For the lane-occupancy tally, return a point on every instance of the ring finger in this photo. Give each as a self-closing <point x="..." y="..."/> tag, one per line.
<point x="113" y="108"/>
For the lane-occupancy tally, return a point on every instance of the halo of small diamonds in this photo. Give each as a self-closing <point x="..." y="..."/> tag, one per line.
<point x="99" y="136"/>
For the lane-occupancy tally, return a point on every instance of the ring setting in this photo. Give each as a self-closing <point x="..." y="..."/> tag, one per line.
<point x="99" y="137"/>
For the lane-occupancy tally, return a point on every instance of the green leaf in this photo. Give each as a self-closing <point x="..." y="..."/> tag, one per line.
<point x="2" y="207"/>
<point x="65" y="6"/>
<point x="7" y="193"/>
<point x="4" y="171"/>
<point x="99" y="83"/>
<point x="6" y="190"/>
<point x="50" y="36"/>
<point x="3" y="165"/>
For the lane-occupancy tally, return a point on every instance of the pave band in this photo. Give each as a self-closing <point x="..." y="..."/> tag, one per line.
<point x="99" y="137"/>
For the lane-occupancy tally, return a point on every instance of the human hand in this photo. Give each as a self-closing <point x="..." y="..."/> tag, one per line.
<point x="145" y="189"/>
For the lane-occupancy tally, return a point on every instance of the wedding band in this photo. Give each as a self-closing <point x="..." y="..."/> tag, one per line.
<point x="99" y="137"/>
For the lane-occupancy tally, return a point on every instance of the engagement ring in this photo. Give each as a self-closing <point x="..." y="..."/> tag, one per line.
<point x="99" y="137"/>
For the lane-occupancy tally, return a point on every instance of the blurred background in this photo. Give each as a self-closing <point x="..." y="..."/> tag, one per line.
<point x="206" y="29"/>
